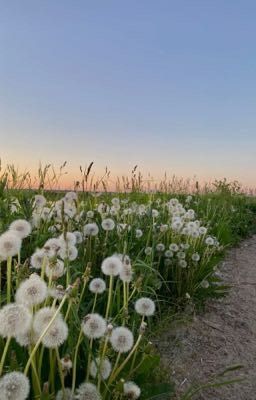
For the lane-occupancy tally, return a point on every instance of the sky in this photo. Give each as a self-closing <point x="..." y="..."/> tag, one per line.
<point x="169" y="85"/>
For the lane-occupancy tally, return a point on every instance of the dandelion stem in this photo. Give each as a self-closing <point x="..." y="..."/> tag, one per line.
<point x="75" y="361"/>
<point x="9" y="278"/>
<point x="109" y="295"/>
<point x="4" y="354"/>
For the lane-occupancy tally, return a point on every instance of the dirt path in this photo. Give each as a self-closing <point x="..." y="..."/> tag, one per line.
<point x="223" y="336"/>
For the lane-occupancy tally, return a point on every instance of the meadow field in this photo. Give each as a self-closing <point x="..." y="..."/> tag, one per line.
<point x="87" y="277"/>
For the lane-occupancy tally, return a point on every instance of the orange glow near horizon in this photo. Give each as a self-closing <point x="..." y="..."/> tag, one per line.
<point x="69" y="175"/>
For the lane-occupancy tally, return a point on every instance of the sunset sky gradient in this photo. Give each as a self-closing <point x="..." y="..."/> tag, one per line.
<point x="168" y="85"/>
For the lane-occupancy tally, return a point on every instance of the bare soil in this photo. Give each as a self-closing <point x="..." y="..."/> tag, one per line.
<point x="224" y="335"/>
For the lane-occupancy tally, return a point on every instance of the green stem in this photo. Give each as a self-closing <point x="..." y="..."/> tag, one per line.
<point x="4" y="354"/>
<point x="109" y="295"/>
<point x="61" y="373"/>
<point x="9" y="278"/>
<point x="75" y="361"/>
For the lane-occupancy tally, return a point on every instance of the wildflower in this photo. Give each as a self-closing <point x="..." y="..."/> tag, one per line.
<point x="126" y="273"/>
<point x="111" y="265"/>
<point x="195" y="257"/>
<point x="68" y="395"/>
<point x="15" y="319"/>
<point x="160" y="247"/>
<point x="131" y="390"/>
<point x="138" y="233"/>
<point x="90" y="214"/>
<point x="56" y="334"/>
<point x="70" y="252"/>
<point x="14" y="386"/>
<point x="91" y="229"/>
<point x="168" y="254"/>
<point x="205" y="284"/>
<point x="66" y="363"/>
<point x="94" y="326"/>
<point x="103" y="365"/>
<point x="181" y="255"/>
<point x="39" y="201"/>
<point x="32" y="291"/>
<point x="108" y="224"/>
<point x="21" y="227"/>
<point x="209" y="241"/>
<point x="70" y="196"/>
<point x="97" y="285"/>
<point x="121" y="339"/>
<point x="52" y="246"/>
<point x="79" y="236"/>
<point x="42" y="318"/>
<point x="145" y="306"/>
<point x="148" y="251"/>
<point x="10" y="244"/>
<point x="88" y="391"/>
<point x="115" y="201"/>
<point x="174" y="247"/>
<point x="155" y="213"/>
<point x="163" y="228"/>
<point x="38" y="258"/>
<point x="55" y="270"/>
<point x="69" y="239"/>
<point x="183" y="263"/>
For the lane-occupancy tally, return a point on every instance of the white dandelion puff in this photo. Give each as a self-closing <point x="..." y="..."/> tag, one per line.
<point x="15" y="319"/>
<point x="21" y="227"/>
<point x="91" y="229"/>
<point x="145" y="306"/>
<point x="138" y="233"/>
<point x="108" y="224"/>
<point x="94" y="326"/>
<point x="56" y="334"/>
<point x="102" y="367"/>
<point x="121" y="339"/>
<point x="14" y="386"/>
<point x="88" y="391"/>
<point x="97" y="285"/>
<point x="66" y="396"/>
<point x="111" y="265"/>
<point x="10" y="244"/>
<point x="70" y="253"/>
<point x="55" y="270"/>
<point x="131" y="390"/>
<point x="38" y="258"/>
<point x="32" y="291"/>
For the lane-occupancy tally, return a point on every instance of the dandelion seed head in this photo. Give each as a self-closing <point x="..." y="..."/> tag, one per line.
<point x="111" y="265"/>
<point x="131" y="390"/>
<point x="10" y="244"/>
<point x="121" y="339"/>
<point x="15" y="319"/>
<point x="70" y="253"/>
<point x="145" y="306"/>
<point x="32" y="291"/>
<point x="38" y="258"/>
<point x="55" y="270"/>
<point x="88" y="391"/>
<point x="21" y="227"/>
<point x="56" y="334"/>
<point x="94" y="326"/>
<point x="68" y="395"/>
<point x="108" y="224"/>
<point x="14" y="386"/>
<point x="91" y="229"/>
<point x="102" y="367"/>
<point x="97" y="285"/>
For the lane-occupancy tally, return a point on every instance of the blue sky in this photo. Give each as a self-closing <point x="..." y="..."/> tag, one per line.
<point x="169" y="85"/>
